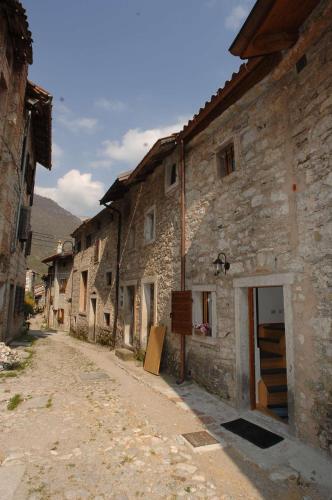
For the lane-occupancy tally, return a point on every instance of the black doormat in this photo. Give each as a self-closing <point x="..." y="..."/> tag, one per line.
<point x="252" y="433"/>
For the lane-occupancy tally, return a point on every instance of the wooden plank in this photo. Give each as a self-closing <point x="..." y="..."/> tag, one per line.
<point x="252" y="381"/>
<point x="154" y="349"/>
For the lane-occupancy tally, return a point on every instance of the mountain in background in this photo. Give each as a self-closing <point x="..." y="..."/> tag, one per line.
<point x="50" y="223"/>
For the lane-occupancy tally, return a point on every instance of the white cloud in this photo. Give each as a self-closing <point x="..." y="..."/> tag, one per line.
<point x="134" y="145"/>
<point x="57" y="154"/>
<point x="110" y="105"/>
<point x="237" y="15"/>
<point x="75" y="192"/>
<point x="76" y="125"/>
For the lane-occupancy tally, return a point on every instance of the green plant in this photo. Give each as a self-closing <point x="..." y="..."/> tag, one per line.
<point x="14" y="402"/>
<point x="139" y="355"/>
<point x="29" y="304"/>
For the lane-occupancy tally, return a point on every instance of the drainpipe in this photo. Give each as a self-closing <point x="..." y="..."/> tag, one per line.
<point x="183" y="255"/>
<point x="117" y="275"/>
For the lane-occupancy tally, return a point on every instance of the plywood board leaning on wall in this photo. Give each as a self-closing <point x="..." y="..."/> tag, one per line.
<point x="154" y="349"/>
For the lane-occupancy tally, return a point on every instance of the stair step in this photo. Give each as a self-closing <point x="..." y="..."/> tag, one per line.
<point x="274" y="340"/>
<point x="277" y="398"/>
<point x="277" y="388"/>
<point x="274" y="362"/>
<point x="270" y="371"/>
<point x="267" y="355"/>
<point x="275" y="379"/>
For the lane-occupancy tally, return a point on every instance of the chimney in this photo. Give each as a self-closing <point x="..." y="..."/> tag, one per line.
<point x="59" y="247"/>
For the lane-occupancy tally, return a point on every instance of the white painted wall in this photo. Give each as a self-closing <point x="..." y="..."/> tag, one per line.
<point x="271" y="305"/>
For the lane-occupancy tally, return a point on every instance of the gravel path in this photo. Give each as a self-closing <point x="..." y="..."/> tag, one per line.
<point x="87" y="430"/>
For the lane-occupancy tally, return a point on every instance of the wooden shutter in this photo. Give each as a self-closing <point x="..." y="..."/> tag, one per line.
<point x="182" y="306"/>
<point x="24" y="224"/>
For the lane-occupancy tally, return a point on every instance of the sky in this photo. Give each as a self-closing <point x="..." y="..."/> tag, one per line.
<point x="123" y="73"/>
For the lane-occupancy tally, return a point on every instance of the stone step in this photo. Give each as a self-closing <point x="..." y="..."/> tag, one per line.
<point x="124" y="354"/>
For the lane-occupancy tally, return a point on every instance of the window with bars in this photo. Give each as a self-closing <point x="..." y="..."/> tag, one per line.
<point x="226" y="160"/>
<point x="96" y="250"/>
<point x="19" y="300"/>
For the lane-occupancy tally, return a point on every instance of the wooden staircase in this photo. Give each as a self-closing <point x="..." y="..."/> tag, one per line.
<point x="272" y="387"/>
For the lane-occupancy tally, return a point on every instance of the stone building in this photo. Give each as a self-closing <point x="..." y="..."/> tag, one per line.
<point x="25" y="139"/>
<point x="94" y="278"/>
<point x="234" y="214"/>
<point x="58" y="303"/>
<point x="150" y="242"/>
<point x="258" y="195"/>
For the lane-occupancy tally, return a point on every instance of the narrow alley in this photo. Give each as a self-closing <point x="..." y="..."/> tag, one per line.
<point x="88" y="429"/>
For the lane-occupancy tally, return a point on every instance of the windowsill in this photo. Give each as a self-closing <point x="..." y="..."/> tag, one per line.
<point x="146" y="243"/>
<point x="171" y="188"/>
<point x="201" y="339"/>
<point x="82" y="313"/>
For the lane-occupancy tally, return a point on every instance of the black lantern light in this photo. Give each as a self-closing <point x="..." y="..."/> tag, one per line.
<point x="221" y="264"/>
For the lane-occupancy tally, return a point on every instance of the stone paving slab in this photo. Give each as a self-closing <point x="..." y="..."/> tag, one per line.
<point x="10" y="479"/>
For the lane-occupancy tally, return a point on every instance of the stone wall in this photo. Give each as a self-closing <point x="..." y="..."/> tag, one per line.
<point x="103" y="227"/>
<point x="12" y="123"/>
<point x="271" y="216"/>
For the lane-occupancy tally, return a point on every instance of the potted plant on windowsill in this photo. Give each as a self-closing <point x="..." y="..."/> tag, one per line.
<point x="203" y="329"/>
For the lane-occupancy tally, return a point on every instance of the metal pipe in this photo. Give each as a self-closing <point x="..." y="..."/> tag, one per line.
<point x="183" y="255"/>
<point x="117" y="275"/>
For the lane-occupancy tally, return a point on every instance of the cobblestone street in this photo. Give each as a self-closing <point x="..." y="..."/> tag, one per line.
<point x="86" y="429"/>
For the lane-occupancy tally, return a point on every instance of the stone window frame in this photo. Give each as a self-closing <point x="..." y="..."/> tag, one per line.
<point x="168" y="186"/>
<point x="236" y="149"/>
<point x="196" y="290"/>
<point x="150" y="210"/>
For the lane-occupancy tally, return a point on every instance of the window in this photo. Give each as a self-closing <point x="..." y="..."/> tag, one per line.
<point x="78" y="246"/>
<point x="107" y="319"/>
<point x="121" y="297"/>
<point x="204" y="312"/>
<point x="226" y="160"/>
<point x="88" y="241"/>
<point x="19" y="300"/>
<point x="96" y="251"/>
<point x="109" y="278"/>
<point x="131" y="238"/>
<point x="61" y="316"/>
<point x="171" y="176"/>
<point x="83" y="291"/>
<point x="62" y="285"/>
<point x="150" y="225"/>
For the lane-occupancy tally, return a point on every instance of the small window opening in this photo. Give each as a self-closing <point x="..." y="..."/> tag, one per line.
<point x="88" y="241"/>
<point x="226" y="160"/>
<point x="107" y="319"/>
<point x="109" y="278"/>
<point x="301" y="63"/>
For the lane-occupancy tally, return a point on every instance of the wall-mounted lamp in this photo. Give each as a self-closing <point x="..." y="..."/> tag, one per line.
<point x="221" y="264"/>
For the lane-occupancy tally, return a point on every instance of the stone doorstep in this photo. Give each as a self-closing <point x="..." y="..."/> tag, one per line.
<point x="124" y="354"/>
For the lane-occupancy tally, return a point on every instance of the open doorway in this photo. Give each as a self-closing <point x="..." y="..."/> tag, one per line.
<point x="92" y="319"/>
<point x="148" y="310"/>
<point x="129" y="314"/>
<point x="268" y="357"/>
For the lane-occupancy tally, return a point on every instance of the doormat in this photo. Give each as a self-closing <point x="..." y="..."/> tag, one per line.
<point x="200" y="438"/>
<point x="253" y="433"/>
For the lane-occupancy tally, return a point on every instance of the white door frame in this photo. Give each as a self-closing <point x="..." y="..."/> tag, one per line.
<point x="148" y="280"/>
<point x="241" y="286"/>
<point x="92" y="318"/>
<point x="126" y="326"/>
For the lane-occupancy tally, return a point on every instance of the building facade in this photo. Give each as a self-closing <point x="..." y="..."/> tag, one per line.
<point x="58" y="304"/>
<point x="25" y="133"/>
<point x="234" y="212"/>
